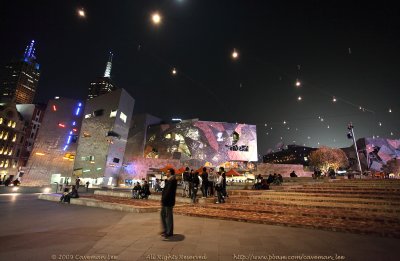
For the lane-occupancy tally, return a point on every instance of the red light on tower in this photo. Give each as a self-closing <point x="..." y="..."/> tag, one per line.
<point x="54" y="108"/>
<point x="61" y="125"/>
<point x="75" y="130"/>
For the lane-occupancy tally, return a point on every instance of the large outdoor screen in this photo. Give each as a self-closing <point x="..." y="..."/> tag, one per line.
<point x="208" y="142"/>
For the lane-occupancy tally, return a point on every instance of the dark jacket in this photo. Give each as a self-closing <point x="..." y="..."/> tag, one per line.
<point x="186" y="176"/>
<point x="204" y="177"/>
<point x="223" y="174"/>
<point x="195" y="180"/>
<point x="169" y="192"/>
<point x="145" y="189"/>
<point x="74" y="193"/>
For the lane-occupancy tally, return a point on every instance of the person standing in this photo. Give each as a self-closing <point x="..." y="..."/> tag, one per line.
<point x="87" y="186"/>
<point x="218" y="188"/>
<point x="167" y="205"/>
<point x="195" y="186"/>
<point x="211" y="182"/>
<point x="191" y="176"/>
<point x="204" y="185"/>
<point x="77" y="183"/>
<point x="223" y="174"/>
<point x="185" y="177"/>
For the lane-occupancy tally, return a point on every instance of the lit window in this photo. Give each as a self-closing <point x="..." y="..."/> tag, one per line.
<point x="123" y="117"/>
<point x="14" y="138"/>
<point x="1" y="134"/>
<point x="1" y="120"/>
<point x="6" y="164"/>
<point x="86" y="134"/>
<point x="87" y="116"/>
<point x="2" y="164"/>
<point x="10" y="152"/>
<point x="5" y="136"/>
<point x="9" y="123"/>
<point x="13" y="125"/>
<point x="113" y="113"/>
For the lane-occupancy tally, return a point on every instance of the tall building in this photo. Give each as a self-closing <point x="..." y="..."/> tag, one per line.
<point x="103" y="84"/>
<point x="33" y="116"/>
<point x="21" y="78"/>
<point x="103" y="138"/>
<point x="12" y="135"/>
<point x="53" y="154"/>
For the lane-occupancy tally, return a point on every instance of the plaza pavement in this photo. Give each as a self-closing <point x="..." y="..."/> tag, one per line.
<point x="33" y="229"/>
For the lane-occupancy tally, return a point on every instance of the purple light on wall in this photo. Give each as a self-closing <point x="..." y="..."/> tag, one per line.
<point x="69" y="139"/>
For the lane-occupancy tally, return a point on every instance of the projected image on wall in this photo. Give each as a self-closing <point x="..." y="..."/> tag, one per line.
<point x="212" y="142"/>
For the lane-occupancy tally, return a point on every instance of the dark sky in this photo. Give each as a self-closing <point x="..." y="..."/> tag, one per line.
<point x="346" y="49"/>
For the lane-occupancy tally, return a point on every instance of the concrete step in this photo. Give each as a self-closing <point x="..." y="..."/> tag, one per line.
<point x="291" y="198"/>
<point x="319" y="205"/>
<point x="337" y="195"/>
<point x="332" y="224"/>
<point x="92" y="202"/>
<point x="342" y="191"/>
<point x="390" y="218"/>
<point x="153" y="196"/>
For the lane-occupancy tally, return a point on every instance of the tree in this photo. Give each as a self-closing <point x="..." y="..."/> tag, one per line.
<point x="325" y="158"/>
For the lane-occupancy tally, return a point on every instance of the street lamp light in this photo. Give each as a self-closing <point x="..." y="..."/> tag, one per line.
<point x="156" y="18"/>
<point x="81" y="13"/>
<point x="350" y="135"/>
<point x="235" y="54"/>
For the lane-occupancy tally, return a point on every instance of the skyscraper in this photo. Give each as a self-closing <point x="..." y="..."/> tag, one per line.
<point x="103" y="84"/>
<point x="21" y="78"/>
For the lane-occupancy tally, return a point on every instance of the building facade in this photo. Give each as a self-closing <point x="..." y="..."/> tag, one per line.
<point x="294" y="154"/>
<point x="138" y="135"/>
<point x="52" y="158"/>
<point x="12" y="136"/>
<point x="33" y="116"/>
<point x="103" y="84"/>
<point x="376" y="154"/>
<point x="21" y="78"/>
<point x="103" y="138"/>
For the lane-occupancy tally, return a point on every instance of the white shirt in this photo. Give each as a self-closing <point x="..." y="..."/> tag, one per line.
<point x="219" y="180"/>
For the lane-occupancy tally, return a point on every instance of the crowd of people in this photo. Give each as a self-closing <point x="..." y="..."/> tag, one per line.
<point x="209" y="182"/>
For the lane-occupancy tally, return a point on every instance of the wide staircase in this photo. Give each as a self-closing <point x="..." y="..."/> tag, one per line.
<point x="360" y="206"/>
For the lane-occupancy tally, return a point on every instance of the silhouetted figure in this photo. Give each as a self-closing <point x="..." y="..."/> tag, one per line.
<point x="167" y="205"/>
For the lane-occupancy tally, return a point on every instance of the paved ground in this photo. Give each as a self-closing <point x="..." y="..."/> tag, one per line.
<point x="34" y="229"/>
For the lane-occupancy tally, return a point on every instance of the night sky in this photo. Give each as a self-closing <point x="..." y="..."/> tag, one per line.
<point x="346" y="49"/>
